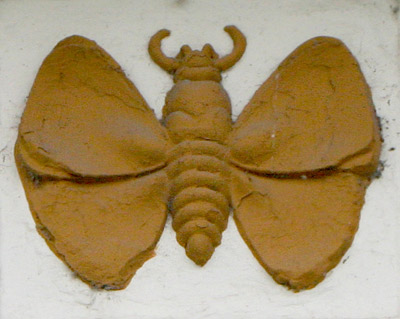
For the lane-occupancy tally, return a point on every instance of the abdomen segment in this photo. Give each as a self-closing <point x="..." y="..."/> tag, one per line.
<point x="199" y="197"/>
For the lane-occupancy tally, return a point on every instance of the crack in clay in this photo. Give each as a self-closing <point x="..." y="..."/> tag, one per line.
<point x="294" y="166"/>
<point x="130" y="267"/>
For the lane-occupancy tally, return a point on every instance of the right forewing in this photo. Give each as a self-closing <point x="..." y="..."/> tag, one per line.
<point x="314" y="112"/>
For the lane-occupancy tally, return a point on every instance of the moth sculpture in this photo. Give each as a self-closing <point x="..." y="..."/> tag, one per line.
<point x="101" y="172"/>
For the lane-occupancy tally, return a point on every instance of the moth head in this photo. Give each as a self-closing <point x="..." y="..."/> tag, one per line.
<point x="197" y="65"/>
<point x="195" y="58"/>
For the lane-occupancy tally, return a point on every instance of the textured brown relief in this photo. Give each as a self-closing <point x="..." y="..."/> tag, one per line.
<point x="100" y="172"/>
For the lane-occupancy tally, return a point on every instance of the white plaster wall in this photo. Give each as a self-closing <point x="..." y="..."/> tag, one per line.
<point x="36" y="284"/>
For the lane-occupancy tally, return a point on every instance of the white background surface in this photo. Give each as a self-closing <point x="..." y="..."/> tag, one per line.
<point x="36" y="284"/>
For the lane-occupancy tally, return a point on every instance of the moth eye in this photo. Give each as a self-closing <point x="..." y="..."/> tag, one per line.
<point x="208" y="50"/>
<point x="186" y="50"/>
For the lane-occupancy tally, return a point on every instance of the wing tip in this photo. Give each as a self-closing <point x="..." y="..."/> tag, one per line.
<point x="76" y="40"/>
<point x="323" y="40"/>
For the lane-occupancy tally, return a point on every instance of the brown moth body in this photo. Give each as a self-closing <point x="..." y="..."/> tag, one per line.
<point x="100" y="171"/>
<point x="197" y="115"/>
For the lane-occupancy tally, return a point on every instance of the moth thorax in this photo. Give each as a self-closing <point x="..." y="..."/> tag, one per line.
<point x="197" y="110"/>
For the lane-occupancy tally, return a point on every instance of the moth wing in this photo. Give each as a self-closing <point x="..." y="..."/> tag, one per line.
<point x="85" y="136"/>
<point x="103" y="231"/>
<point x="85" y="118"/>
<point x="298" y="230"/>
<point x="303" y="151"/>
<point x="314" y="112"/>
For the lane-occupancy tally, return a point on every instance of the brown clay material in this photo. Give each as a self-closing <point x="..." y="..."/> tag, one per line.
<point x="197" y="115"/>
<point x="313" y="113"/>
<point x="103" y="231"/>
<point x="98" y="169"/>
<point x="85" y="118"/>
<point x="298" y="229"/>
<point x="85" y="134"/>
<point x="311" y="130"/>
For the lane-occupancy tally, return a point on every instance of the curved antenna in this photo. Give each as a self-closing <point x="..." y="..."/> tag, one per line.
<point x="166" y="63"/>
<point x="239" y="45"/>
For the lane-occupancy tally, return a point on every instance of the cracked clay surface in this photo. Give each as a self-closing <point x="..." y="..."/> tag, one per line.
<point x="85" y="135"/>
<point x="100" y="171"/>
<point x="305" y="147"/>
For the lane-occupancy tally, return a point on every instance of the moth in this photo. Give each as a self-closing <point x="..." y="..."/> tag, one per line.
<point x="101" y="173"/>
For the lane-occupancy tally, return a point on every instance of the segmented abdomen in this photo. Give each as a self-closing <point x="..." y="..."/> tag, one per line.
<point x="199" y="196"/>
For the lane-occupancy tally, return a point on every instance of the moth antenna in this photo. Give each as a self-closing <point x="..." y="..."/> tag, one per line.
<point x="239" y="46"/>
<point x="166" y="63"/>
